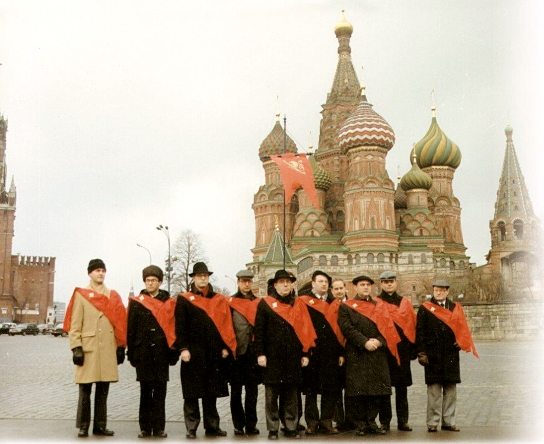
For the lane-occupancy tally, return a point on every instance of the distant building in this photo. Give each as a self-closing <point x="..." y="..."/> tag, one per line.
<point x="26" y="282"/>
<point x="59" y="311"/>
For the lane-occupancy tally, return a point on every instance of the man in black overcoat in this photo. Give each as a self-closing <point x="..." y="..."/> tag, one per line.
<point x="149" y="352"/>
<point x="204" y="353"/>
<point x="401" y="375"/>
<point x="367" y="371"/>
<point x="323" y="374"/>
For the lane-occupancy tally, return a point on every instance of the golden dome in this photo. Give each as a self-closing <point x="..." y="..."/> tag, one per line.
<point x="343" y="26"/>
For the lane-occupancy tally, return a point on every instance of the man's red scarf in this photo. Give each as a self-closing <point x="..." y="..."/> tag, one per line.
<point x="457" y="321"/>
<point x="218" y="309"/>
<point x="112" y="307"/>
<point x="329" y="311"/>
<point x="404" y="317"/>
<point x="246" y="307"/>
<point x="163" y="312"/>
<point x="298" y="317"/>
<point x="379" y="314"/>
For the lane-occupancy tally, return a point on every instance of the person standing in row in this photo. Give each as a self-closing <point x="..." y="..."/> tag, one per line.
<point x="442" y="331"/>
<point x="323" y="374"/>
<point x="404" y="317"/>
<point x="369" y="331"/>
<point x="96" y="324"/>
<point x="283" y="337"/>
<point x="150" y="334"/>
<point x="245" y="372"/>
<point x="206" y="339"/>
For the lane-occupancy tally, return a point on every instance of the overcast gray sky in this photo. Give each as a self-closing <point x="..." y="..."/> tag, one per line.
<point x="128" y="114"/>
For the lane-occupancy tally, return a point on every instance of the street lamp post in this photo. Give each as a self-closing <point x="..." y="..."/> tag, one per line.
<point x="148" y="252"/>
<point x="164" y="229"/>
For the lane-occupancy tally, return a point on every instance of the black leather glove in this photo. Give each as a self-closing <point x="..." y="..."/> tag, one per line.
<point x="422" y="358"/>
<point x="77" y="356"/>
<point x="120" y="355"/>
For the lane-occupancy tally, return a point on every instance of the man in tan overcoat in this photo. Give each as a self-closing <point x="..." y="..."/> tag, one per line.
<point x="96" y="323"/>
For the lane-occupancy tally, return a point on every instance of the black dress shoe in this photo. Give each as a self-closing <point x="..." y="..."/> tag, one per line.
<point x="83" y="432"/>
<point x="160" y="434"/>
<point x="144" y="434"/>
<point x="239" y="432"/>
<point x="293" y="434"/>
<point x="432" y="429"/>
<point x="191" y="434"/>
<point x="404" y="427"/>
<point x="329" y="431"/>
<point x="360" y="432"/>
<point x="253" y="431"/>
<point x="273" y="435"/>
<point x="451" y="428"/>
<point x="215" y="432"/>
<point x="310" y="431"/>
<point x="375" y="430"/>
<point x="301" y="428"/>
<point x="386" y="427"/>
<point x="103" y="431"/>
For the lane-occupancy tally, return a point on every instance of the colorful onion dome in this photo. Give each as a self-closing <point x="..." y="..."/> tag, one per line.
<point x="322" y="178"/>
<point x="365" y="127"/>
<point x="343" y="27"/>
<point x="415" y="178"/>
<point x="272" y="145"/>
<point x="400" y="199"/>
<point x="436" y="149"/>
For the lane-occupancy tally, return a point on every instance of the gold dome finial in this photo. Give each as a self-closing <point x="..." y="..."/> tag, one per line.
<point x="276" y="223"/>
<point x="433" y="104"/>
<point x="363" y="85"/>
<point x="343" y="26"/>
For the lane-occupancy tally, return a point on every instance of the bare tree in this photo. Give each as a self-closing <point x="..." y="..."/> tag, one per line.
<point x="187" y="250"/>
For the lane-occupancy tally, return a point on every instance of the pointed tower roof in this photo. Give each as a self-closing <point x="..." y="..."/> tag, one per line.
<point x="512" y="196"/>
<point x="345" y="84"/>
<point x="272" y="144"/>
<point x="274" y="255"/>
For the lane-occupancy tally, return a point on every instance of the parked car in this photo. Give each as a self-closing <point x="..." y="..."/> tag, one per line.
<point x="58" y="330"/>
<point x="31" y="329"/>
<point x="4" y="328"/>
<point x="45" y="329"/>
<point x="17" y="329"/>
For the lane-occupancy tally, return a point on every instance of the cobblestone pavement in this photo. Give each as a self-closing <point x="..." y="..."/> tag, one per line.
<point x="501" y="396"/>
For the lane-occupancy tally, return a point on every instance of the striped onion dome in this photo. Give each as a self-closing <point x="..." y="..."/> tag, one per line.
<point x="436" y="149"/>
<point x="415" y="178"/>
<point x="322" y="179"/>
<point x="272" y="145"/>
<point x="365" y="127"/>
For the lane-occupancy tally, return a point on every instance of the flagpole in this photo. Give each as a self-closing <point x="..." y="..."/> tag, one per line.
<point x="284" y="204"/>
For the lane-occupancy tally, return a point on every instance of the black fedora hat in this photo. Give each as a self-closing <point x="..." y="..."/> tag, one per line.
<point x="200" y="267"/>
<point x="283" y="274"/>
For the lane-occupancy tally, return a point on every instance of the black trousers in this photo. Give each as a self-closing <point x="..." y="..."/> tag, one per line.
<point x="401" y="406"/>
<point x="286" y="395"/>
<point x="83" y="418"/>
<point x="152" y="400"/>
<point x="365" y="409"/>
<point x="299" y="407"/>
<point x="311" y="413"/>
<point x="244" y="415"/>
<point x="191" y="413"/>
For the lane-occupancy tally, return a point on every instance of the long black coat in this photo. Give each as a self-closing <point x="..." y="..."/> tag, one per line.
<point x="323" y="374"/>
<point x="206" y="374"/>
<point x="277" y="340"/>
<point x="437" y="340"/>
<point x="401" y="375"/>
<point x="147" y="349"/>
<point x="367" y="372"/>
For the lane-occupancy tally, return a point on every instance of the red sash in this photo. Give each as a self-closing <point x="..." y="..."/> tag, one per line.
<point x="457" y="321"/>
<point x="163" y="312"/>
<point x="379" y="314"/>
<point x="329" y="311"/>
<point x="298" y="317"/>
<point x="112" y="307"/>
<point x="404" y="317"/>
<point x="217" y="308"/>
<point x="247" y="308"/>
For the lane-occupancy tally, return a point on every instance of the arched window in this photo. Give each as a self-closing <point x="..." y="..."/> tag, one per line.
<point x="423" y="258"/>
<point x="502" y="230"/>
<point x="373" y="223"/>
<point x="350" y="259"/>
<point x="334" y="260"/>
<point x="369" y="258"/>
<point x="322" y="260"/>
<point x="452" y="266"/>
<point x="410" y="259"/>
<point x="518" y="229"/>
<point x="442" y="262"/>
<point x="357" y="259"/>
<point x="340" y="221"/>
<point x="381" y="258"/>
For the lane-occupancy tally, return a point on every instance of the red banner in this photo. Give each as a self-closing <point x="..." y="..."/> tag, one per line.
<point x="247" y="308"/>
<point x="330" y="311"/>
<point x="296" y="172"/>
<point x="405" y="317"/>
<point x="163" y="312"/>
